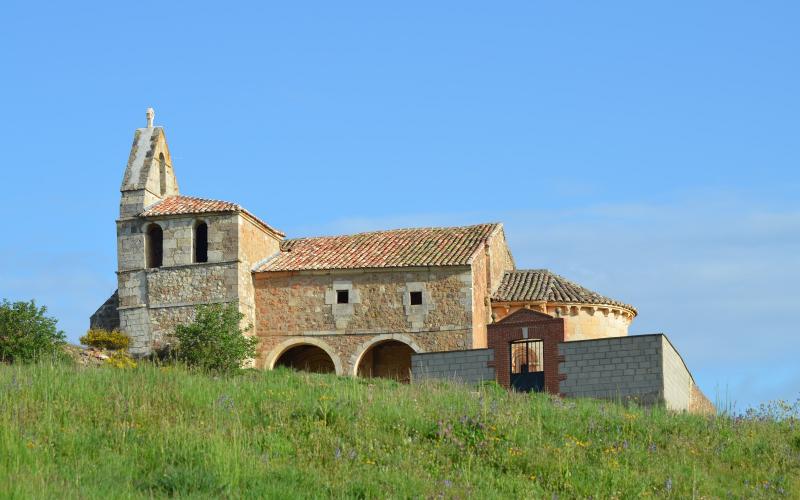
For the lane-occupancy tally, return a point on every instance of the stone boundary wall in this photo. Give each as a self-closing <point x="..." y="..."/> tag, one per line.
<point x="468" y="367"/>
<point x="616" y="368"/>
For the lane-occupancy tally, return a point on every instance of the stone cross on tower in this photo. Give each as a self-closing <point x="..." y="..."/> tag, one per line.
<point x="150" y="113"/>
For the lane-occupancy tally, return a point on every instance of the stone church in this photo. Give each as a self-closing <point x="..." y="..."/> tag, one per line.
<point x="358" y="304"/>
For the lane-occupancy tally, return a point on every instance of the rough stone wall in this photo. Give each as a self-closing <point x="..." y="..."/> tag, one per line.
<point x="500" y="259"/>
<point x="299" y="303"/>
<point x="468" y="367"/>
<point x="699" y="403"/>
<point x="488" y="267"/>
<point x="106" y="317"/>
<point x="255" y="244"/>
<point x="130" y="245"/>
<point x="153" y="301"/>
<point x="293" y="308"/>
<point x="619" y="368"/>
<point x="192" y="285"/>
<point x="135" y="322"/>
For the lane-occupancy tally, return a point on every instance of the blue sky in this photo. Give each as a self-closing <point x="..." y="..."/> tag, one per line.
<point x="646" y="150"/>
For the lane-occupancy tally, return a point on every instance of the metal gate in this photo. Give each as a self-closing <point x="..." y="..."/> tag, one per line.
<point x="527" y="365"/>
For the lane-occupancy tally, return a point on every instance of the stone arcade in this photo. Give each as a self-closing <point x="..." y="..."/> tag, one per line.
<point x="364" y="304"/>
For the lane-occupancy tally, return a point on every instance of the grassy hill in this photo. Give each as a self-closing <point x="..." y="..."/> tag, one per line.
<point x="70" y="432"/>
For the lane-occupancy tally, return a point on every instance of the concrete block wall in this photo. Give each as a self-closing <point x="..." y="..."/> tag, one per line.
<point x="677" y="379"/>
<point x="468" y="367"/>
<point x="646" y="368"/>
<point x="615" y="368"/>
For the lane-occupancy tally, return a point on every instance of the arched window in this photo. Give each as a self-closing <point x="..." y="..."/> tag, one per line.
<point x="201" y="242"/>
<point x="154" y="245"/>
<point x="162" y="173"/>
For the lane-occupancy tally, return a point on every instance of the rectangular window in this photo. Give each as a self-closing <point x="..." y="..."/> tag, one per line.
<point x="342" y="296"/>
<point x="416" y="298"/>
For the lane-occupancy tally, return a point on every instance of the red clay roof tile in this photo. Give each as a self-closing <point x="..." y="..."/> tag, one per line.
<point x="441" y="246"/>
<point x="178" y="205"/>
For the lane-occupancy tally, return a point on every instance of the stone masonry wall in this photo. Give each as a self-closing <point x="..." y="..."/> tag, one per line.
<point x="480" y="298"/>
<point x="301" y="303"/>
<point x="154" y="301"/>
<point x="255" y="244"/>
<point x="106" y="317"/>
<point x="295" y="308"/>
<point x="468" y="367"/>
<point x="500" y="260"/>
<point x="347" y="350"/>
<point x="192" y="285"/>
<point x="488" y="267"/>
<point x="583" y="322"/>
<point x="618" y="368"/>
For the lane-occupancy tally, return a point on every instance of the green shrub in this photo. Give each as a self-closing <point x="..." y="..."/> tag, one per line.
<point x="105" y="339"/>
<point x="26" y="334"/>
<point x="215" y="340"/>
<point x="121" y="359"/>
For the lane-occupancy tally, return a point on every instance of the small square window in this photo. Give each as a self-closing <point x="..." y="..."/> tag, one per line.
<point x="342" y="296"/>
<point x="416" y="298"/>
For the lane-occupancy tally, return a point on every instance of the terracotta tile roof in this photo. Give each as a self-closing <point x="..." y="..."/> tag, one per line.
<point x="441" y="246"/>
<point x="533" y="285"/>
<point x="178" y="205"/>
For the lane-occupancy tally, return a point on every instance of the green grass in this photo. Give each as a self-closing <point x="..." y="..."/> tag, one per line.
<point x="70" y="432"/>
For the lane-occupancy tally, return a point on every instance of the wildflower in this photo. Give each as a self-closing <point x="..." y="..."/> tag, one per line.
<point x="225" y="402"/>
<point x="668" y="485"/>
<point x="337" y="453"/>
<point x="447" y="483"/>
<point x="652" y="448"/>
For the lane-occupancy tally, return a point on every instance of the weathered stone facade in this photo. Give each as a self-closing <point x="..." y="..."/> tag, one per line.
<point x="293" y="307"/>
<point x="153" y="299"/>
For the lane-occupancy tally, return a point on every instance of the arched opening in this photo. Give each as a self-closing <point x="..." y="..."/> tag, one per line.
<point x="307" y="358"/>
<point x="201" y="242"/>
<point x="390" y="359"/>
<point x="154" y="245"/>
<point x="162" y="173"/>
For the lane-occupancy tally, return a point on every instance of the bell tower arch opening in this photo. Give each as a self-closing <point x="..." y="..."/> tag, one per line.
<point x="154" y="246"/>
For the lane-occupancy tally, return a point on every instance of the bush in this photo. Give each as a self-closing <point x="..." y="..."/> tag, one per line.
<point x="105" y="339"/>
<point x="215" y="341"/>
<point x="26" y="334"/>
<point x="121" y="359"/>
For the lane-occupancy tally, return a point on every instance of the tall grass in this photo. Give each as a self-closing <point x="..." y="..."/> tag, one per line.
<point x="71" y="432"/>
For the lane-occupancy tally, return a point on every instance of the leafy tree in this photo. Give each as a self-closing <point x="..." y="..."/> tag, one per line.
<point x="26" y="334"/>
<point x="215" y="340"/>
